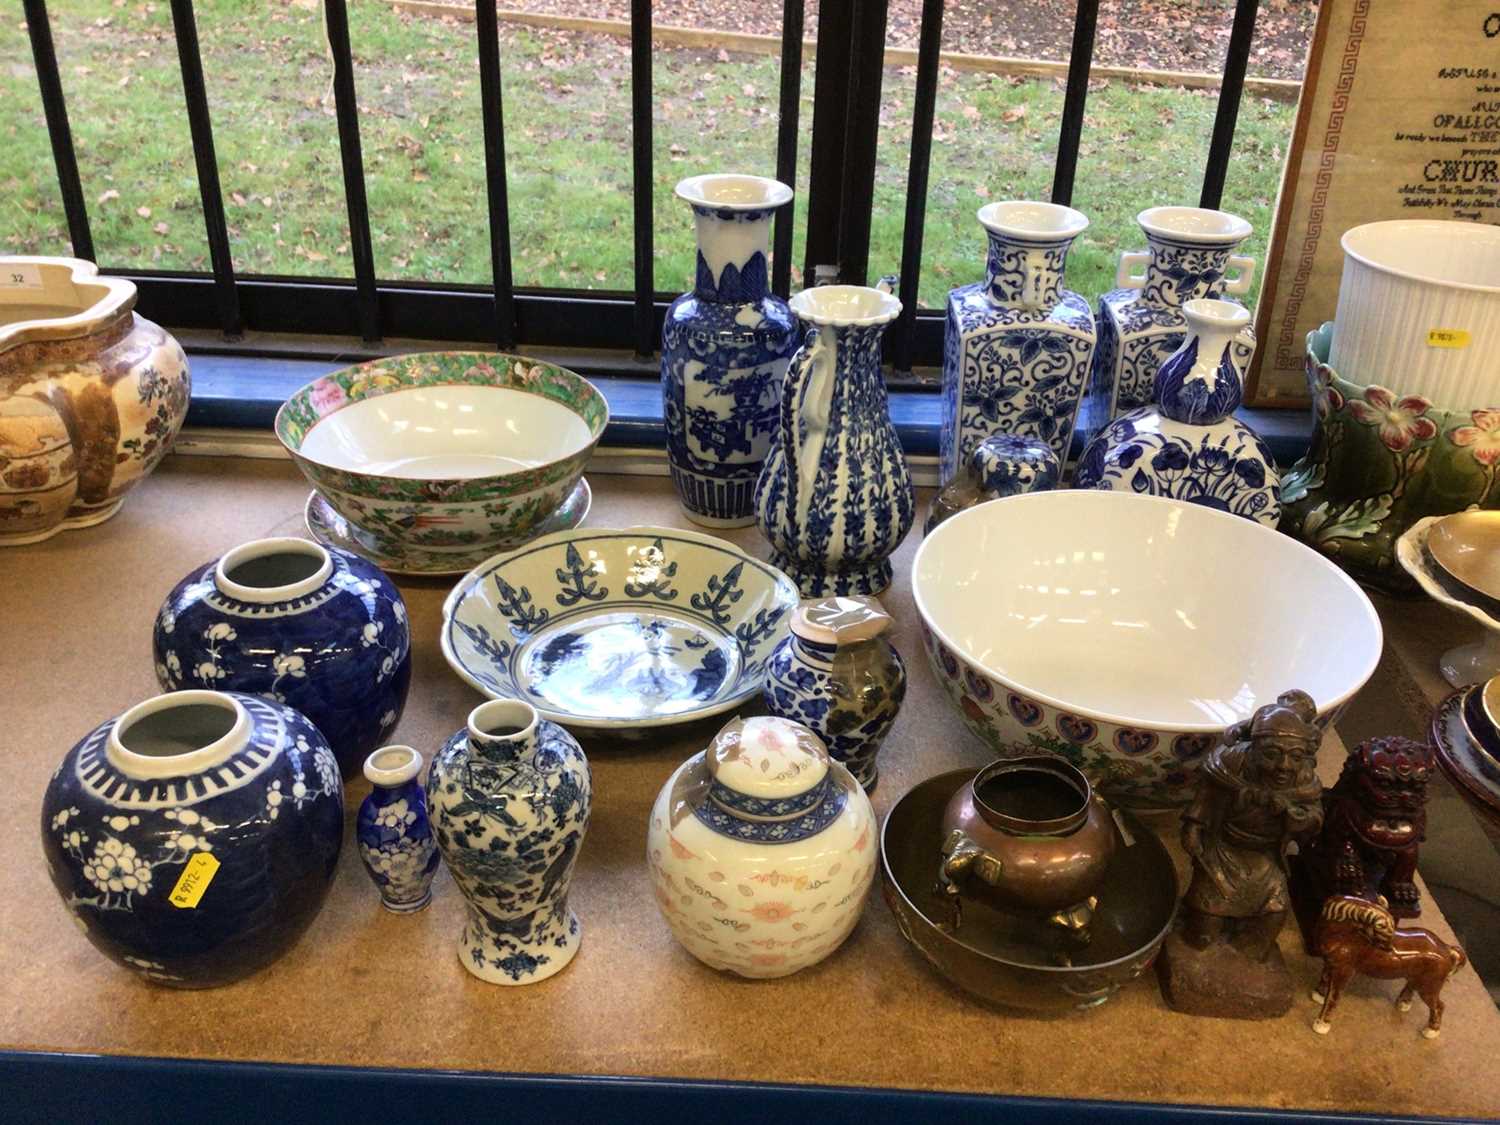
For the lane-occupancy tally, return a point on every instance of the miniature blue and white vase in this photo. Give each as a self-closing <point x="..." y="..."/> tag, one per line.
<point x="724" y="350"/>
<point x="1189" y="446"/>
<point x="1001" y="465"/>
<point x="838" y="675"/>
<point x="509" y="798"/>
<point x="1016" y="347"/>
<point x="395" y="837"/>
<point x="314" y="627"/>
<point x="1190" y="258"/>
<point x="194" y="837"/>
<point x="835" y="497"/>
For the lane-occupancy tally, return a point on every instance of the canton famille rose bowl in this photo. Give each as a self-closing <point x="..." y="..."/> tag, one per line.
<point x="444" y="451"/>
<point x="1127" y="632"/>
<point x="619" y="630"/>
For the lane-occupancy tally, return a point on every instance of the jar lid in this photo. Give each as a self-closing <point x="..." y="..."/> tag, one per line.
<point x="840" y="621"/>
<point x="767" y="757"/>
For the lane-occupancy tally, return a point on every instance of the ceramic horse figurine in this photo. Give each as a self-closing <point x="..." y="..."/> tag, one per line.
<point x="1355" y="935"/>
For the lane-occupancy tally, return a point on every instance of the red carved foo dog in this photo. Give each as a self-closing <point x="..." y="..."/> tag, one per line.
<point x="1355" y="935"/>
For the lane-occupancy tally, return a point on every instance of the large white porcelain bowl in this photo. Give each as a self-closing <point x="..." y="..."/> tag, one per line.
<point x="1127" y="632"/>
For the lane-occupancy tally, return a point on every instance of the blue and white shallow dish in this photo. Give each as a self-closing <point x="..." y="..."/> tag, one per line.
<point x="619" y="630"/>
<point x="393" y="831"/>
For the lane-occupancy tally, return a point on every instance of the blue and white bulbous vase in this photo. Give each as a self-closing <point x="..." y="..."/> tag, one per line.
<point x="835" y="497"/>
<point x="1017" y="347"/>
<point x="509" y="799"/>
<point x="1188" y="445"/>
<point x="314" y="627"/>
<point x="724" y="351"/>
<point x="194" y="837"/>
<point x="393" y="831"/>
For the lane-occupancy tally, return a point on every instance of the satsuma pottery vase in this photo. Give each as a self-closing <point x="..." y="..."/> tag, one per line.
<point x="1001" y="465"/>
<point x="1017" y="346"/>
<point x="724" y="351"/>
<point x="310" y="626"/>
<point x="194" y="837"/>
<point x="761" y="850"/>
<point x="91" y="396"/>
<point x="509" y="798"/>
<point x="835" y="496"/>
<point x="394" y="834"/>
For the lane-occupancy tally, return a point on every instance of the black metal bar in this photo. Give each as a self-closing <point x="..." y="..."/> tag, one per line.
<point x="494" y="173"/>
<point x="1085" y="20"/>
<point x="346" y="107"/>
<point x="58" y="131"/>
<point x="642" y="183"/>
<point x="929" y="45"/>
<point x="1235" y="62"/>
<point x="825" y="173"/>
<point x="862" y="125"/>
<point x="201" y="127"/>
<point x="792" y="20"/>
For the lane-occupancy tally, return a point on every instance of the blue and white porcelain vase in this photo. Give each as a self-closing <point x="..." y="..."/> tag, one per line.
<point x="835" y="497"/>
<point x="1001" y="465"/>
<point x="1141" y="322"/>
<point x="1017" y="346"/>
<point x="395" y="837"/>
<point x="1189" y="446"/>
<point x="509" y="798"/>
<point x="838" y="675"/>
<point x="194" y="837"/>
<point x="314" y="627"/>
<point x="724" y="350"/>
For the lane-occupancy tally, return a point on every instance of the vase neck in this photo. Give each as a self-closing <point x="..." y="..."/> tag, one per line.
<point x="1202" y="382"/>
<point x="1024" y="273"/>
<point x="1179" y="272"/>
<point x="503" y="730"/>
<point x="734" y="249"/>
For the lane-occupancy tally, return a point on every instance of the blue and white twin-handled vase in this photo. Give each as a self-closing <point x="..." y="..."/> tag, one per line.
<point x="395" y="837"/>
<point x="509" y="798"/>
<point x="835" y="497"/>
<point x="724" y="351"/>
<point x="313" y="627"/>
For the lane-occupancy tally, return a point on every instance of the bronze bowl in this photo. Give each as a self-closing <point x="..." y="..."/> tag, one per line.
<point x="989" y="957"/>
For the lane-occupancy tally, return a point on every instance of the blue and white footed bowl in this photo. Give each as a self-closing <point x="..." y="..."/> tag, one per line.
<point x="509" y="796"/>
<point x="194" y="837"/>
<point x="314" y="627"/>
<point x="394" y="834"/>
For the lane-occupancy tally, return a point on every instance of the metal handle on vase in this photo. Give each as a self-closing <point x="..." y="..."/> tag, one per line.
<point x="1125" y="275"/>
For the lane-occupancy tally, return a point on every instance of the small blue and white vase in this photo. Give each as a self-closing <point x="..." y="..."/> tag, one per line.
<point x="838" y="675"/>
<point x="835" y="497"/>
<point x="724" y="350"/>
<point x="1189" y="446"/>
<point x="509" y="798"/>
<point x="194" y="837"/>
<point x="1017" y="347"/>
<point x="395" y="837"/>
<point x="314" y="627"/>
<point x="1001" y="465"/>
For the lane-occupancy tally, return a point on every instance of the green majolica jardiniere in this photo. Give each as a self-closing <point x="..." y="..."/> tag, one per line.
<point x="1380" y="461"/>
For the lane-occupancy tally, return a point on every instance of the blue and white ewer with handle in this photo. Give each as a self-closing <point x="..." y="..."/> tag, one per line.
<point x="835" y="496"/>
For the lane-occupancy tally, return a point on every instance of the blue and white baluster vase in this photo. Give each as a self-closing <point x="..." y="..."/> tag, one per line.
<point x="835" y="496"/>
<point x="394" y="834"/>
<point x="724" y="351"/>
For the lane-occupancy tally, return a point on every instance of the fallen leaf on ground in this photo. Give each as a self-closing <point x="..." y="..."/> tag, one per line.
<point x="143" y="212"/>
<point x="1013" y="114"/>
<point x="107" y="196"/>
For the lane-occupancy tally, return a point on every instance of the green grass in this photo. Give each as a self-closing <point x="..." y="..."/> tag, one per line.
<point x="568" y="145"/>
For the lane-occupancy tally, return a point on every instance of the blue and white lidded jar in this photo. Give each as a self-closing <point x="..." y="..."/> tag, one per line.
<point x="314" y="627"/>
<point x="509" y="798"/>
<point x="838" y="675"/>
<point x="395" y="837"/>
<point x="194" y="837"/>
<point x="1001" y="465"/>
<point x="724" y="351"/>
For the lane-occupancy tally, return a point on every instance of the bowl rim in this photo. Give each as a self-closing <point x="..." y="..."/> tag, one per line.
<point x="1098" y="714"/>
<point x="788" y="590"/>
<point x="504" y="359"/>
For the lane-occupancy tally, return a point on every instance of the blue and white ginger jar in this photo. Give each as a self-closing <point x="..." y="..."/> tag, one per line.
<point x="314" y="627"/>
<point x="194" y="837"/>
<point x="394" y="834"/>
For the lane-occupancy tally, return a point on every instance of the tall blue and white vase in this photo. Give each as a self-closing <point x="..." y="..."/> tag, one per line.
<point x="724" y="351"/>
<point x="835" y="497"/>
<point x="1191" y="257"/>
<point x="1016" y="347"/>
<point x="1188" y="445"/>
<point x="314" y="627"/>
<point x="509" y="797"/>
<point x="394" y="834"/>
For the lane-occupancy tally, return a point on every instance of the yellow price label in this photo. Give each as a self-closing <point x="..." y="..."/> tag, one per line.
<point x="1447" y="338"/>
<point x="194" y="880"/>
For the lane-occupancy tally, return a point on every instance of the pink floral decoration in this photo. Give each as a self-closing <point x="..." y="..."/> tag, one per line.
<point x="1401" y="421"/>
<point x="326" y="396"/>
<point x="1483" y="436"/>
